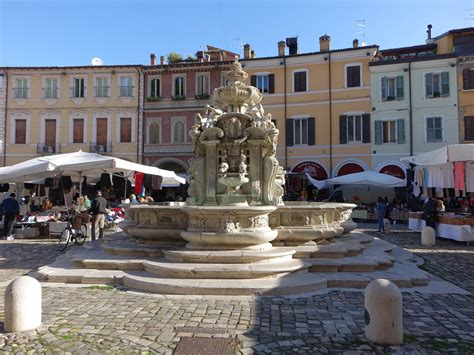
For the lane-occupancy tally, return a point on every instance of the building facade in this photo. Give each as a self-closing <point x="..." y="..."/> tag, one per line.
<point x="320" y="103"/>
<point x="414" y="104"/>
<point x="52" y="110"/>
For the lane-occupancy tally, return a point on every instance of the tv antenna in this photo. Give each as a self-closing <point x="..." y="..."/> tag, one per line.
<point x="361" y="31"/>
<point x="238" y="43"/>
<point x="470" y="14"/>
<point x="96" y="61"/>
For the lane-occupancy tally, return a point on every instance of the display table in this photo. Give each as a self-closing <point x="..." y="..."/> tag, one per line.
<point x="447" y="226"/>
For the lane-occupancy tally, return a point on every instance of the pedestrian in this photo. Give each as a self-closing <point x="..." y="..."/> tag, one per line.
<point x="98" y="210"/>
<point x="388" y="210"/>
<point x="430" y="213"/>
<point x="9" y="208"/>
<point x="380" y="208"/>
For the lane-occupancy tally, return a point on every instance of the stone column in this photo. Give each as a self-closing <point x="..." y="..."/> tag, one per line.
<point x="255" y="171"/>
<point x="211" y="171"/>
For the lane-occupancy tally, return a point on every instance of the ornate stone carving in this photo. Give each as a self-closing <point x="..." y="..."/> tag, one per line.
<point x="229" y="222"/>
<point x="196" y="222"/>
<point x="259" y="221"/>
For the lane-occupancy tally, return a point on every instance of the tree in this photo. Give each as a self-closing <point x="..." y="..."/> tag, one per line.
<point x="174" y="58"/>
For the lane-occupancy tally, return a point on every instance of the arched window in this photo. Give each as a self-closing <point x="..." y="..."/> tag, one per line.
<point x="178" y="132"/>
<point x="154" y="133"/>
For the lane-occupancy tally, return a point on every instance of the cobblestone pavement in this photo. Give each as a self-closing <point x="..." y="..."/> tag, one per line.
<point x="106" y="319"/>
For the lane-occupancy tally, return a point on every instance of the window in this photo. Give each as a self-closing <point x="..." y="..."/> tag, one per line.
<point x="155" y="88"/>
<point x="390" y="132"/>
<point x="353" y="76"/>
<point x="300" y="131"/>
<point x="178" y="132"/>
<point x="126" y="87"/>
<point x="468" y="79"/>
<point x="354" y="128"/>
<point x="78" y="130"/>
<point x="20" y="131"/>
<point x="51" y="89"/>
<point x="21" y="90"/>
<point x="154" y="133"/>
<point x="178" y="89"/>
<point x="436" y="84"/>
<point x="101" y="88"/>
<point x="299" y="81"/>
<point x="224" y="80"/>
<point x="434" y="129"/>
<point x="264" y="82"/>
<point x="78" y="89"/>
<point x="202" y="85"/>
<point x="469" y="128"/>
<point x="392" y="88"/>
<point x="101" y="131"/>
<point x="125" y="129"/>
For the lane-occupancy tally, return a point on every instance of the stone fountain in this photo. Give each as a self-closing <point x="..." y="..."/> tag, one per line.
<point x="234" y="235"/>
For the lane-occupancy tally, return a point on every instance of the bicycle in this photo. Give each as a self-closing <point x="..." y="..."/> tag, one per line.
<point x="76" y="235"/>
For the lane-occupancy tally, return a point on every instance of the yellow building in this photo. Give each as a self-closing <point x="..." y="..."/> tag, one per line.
<point x="50" y="110"/>
<point x="320" y="102"/>
<point x="461" y="43"/>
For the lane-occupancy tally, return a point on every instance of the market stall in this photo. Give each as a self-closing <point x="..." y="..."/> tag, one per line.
<point x="447" y="170"/>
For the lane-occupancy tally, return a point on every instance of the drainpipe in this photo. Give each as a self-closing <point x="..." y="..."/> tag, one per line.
<point x="286" y="112"/>
<point x="410" y="109"/>
<point x="6" y="120"/>
<point x="140" y="159"/>
<point x="330" y="117"/>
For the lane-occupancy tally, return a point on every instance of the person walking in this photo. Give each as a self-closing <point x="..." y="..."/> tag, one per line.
<point x="98" y="210"/>
<point x="380" y="209"/>
<point x="10" y="209"/>
<point x="430" y="213"/>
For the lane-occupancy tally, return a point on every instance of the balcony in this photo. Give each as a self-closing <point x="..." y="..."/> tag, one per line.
<point x="168" y="148"/>
<point x="100" y="148"/>
<point x="45" y="149"/>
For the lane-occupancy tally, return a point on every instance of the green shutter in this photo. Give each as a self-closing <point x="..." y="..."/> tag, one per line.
<point x="342" y="129"/>
<point x="401" y="131"/>
<point x="378" y="132"/>
<point x="400" y="87"/>
<point x="445" y="83"/>
<point x="384" y="88"/>
<point x="429" y="85"/>
<point x="289" y="132"/>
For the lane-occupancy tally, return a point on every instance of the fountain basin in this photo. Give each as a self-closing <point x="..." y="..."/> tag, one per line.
<point x="228" y="227"/>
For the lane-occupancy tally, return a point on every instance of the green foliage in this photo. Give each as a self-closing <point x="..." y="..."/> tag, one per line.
<point x="174" y="57"/>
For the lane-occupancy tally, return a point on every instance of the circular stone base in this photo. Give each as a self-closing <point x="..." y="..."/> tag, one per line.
<point x="263" y="246"/>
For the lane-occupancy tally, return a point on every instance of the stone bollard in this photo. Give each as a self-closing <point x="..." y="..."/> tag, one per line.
<point x="428" y="236"/>
<point x="22" y="304"/>
<point x="386" y="225"/>
<point x="383" y="313"/>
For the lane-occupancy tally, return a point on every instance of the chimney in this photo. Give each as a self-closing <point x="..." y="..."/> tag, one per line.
<point x="355" y="43"/>
<point x="162" y="60"/>
<point x="247" y="51"/>
<point x="429" y="31"/>
<point x="281" y="48"/>
<point x="152" y="59"/>
<point x="324" y="41"/>
<point x="292" y="44"/>
<point x="252" y="54"/>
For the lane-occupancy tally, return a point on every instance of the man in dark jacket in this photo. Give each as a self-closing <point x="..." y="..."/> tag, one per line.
<point x="98" y="210"/>
<point x="10" y="209"/>
<point x="430" y="213"/>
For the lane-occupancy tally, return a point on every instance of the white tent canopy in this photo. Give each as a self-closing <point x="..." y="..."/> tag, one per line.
<point x="79" y="164"/>
<point x="443" y="155"/>
<point x="362" y="178"/>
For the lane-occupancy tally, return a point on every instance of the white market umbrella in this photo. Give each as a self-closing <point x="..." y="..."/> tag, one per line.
<point x="367" y="178"/>
<point x="79" y="164"/>
<point x="443" y="155"/>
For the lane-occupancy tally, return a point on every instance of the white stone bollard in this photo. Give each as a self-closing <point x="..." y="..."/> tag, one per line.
<point x="22" y="304"/>
<point x="386" y="225"/>
<point x="383" y="313"/>
<point x="428" y="236"/>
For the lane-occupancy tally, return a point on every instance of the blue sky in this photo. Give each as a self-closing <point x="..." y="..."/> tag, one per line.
<point x="71" y="32"/>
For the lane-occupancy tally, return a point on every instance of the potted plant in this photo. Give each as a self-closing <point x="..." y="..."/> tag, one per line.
<point x="202" y="97"/>
<point x="153" y="98"/>
<point x="177" y="97"/>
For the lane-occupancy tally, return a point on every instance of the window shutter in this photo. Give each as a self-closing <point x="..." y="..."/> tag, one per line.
<point x="428" y="85"/>
<point x="253" y="80"/>
<point x="465" y="79"/>
<point x="384" y="88"/>
<point x="343" y="129"/>
<point x="401" y="131"/>
<point x="289" y="132"/>
<point x="311" y="131"/>
<point x="366" y="128"/>
<point x="78" y="131"/>
<point x="20" y="131"/>
<point x="445" y="83"/>
<point x="469" y="128"/>
<point x="101" y="131"/>
<point x="399" y="87"/>
<point x="125" y="129"/>
<point x="378" y="132"/>
<point x="271" y="83"/>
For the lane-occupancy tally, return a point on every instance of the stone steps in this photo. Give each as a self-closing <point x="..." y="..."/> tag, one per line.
<point x="299" y="283"/>
<point x="133" y="249"/>
<point x="274" y="255"/>
<point x="223" y="271"/>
